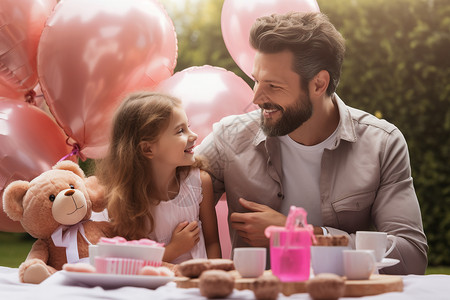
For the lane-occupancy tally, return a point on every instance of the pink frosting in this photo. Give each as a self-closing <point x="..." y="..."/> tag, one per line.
<point x="121" y="240"/>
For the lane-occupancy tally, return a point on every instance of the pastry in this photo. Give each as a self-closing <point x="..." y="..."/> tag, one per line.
<point x="326" y="286"/>
<point x="266" y="287"/>
<point x="221" y="264"/>
<point x="194" y="267"/>
<point x="339" y="240"/>
<point x="156" y="271"/>
<point x="119" y="256"/>
<point x="79" y="267"/>
<point x="331" y="240"/>
<point x="216" y="284"/>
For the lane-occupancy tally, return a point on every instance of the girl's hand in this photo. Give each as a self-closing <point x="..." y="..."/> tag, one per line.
<point x="184" y="237"/>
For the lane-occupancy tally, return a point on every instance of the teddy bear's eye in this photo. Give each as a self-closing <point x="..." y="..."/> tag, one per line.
<point x="52" y="197"/>
<point x="71" y="186"/>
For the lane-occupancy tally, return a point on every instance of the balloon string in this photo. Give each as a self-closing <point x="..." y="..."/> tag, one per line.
<point x="76" y="150"/>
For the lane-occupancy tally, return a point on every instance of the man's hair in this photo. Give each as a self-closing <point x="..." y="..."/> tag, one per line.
<point x="314" y="41"/>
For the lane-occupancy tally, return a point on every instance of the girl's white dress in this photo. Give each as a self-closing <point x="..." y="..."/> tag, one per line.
<point x="184" y="207"/>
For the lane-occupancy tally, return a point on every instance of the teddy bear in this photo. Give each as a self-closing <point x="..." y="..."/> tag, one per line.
<point x="55" y="208"/>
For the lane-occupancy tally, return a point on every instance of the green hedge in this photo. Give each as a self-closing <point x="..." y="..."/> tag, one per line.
<point x="398" y="66"/>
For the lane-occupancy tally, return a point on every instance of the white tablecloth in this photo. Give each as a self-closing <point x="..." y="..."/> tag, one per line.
<point x="433" y="287"/>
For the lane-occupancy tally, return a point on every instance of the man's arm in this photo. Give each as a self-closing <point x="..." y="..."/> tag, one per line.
<point x="396" y="208"/>
<point x="251" y="225"/>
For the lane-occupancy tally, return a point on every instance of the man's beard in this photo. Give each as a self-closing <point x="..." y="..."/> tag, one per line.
<point x="292" y="117"/>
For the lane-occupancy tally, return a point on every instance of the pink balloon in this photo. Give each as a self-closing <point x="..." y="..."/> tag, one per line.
<point x="92" y="53"/>
<point x="238" y="17"/>
<point x="31" y="143"/>
<point x="33" y="96"/>
<point x="208" y="94"/>
<point x="7" y="92"/>
<point x="21" y="24"/>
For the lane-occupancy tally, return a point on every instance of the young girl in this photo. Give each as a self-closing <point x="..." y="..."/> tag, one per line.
<point x="153" y="184"/>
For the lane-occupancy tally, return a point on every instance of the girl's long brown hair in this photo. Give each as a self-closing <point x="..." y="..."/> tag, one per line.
<point x="124" y="172"/>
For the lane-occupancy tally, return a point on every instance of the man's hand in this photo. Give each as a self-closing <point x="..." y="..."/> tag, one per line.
<point x="250" y="226"/>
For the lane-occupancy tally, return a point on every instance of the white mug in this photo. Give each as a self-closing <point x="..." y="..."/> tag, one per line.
<point x="376" y="241"/>
<point x="250" y="261"/>
<point x="327" y="259"/>
<point x="358" y="264"/>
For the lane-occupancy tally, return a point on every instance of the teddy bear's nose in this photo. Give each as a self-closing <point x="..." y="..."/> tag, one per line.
<point x="69" y="193"/>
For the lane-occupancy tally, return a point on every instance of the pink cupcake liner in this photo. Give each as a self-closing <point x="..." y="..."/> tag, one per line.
<point x="125" y="266"/>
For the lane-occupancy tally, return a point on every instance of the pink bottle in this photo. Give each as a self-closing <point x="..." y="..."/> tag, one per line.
<point x="290" y="247"/>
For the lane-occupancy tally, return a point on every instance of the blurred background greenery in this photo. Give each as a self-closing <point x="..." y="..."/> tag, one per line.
<point x="397" y="67"/>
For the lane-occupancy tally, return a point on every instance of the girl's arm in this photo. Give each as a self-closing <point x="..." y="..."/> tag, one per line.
<point x="209" y="218"/>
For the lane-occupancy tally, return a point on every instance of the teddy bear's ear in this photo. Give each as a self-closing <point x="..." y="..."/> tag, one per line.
<point x="13" y="197"/>
<point x="69" y="166"/>
<point x="96" y="193"/>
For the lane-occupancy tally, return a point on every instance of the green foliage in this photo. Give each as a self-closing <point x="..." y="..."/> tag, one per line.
<point x="199" y="35"/>
<point x="398" y="63"/>
<point x="14" y="248"/>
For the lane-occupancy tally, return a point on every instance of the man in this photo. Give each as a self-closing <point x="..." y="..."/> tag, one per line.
<point x="305" y="147"/>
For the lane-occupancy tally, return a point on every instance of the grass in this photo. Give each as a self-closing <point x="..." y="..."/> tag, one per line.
<point x="14" y="248"/>
<point x="438" y="270"/>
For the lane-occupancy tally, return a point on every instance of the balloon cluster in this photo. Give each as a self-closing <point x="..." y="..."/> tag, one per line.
<point x="84" y="56"/>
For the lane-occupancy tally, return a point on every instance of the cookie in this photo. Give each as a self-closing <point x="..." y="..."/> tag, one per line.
<point x="340" y="240"/>
<point x="221" y="264"/>
<point x="326" y="286"/>
<point x="79" y="267"/>
<point x="331" y="240"/>
<point x="266" y="287"/>
<point x="216" y="284"/>
<point x="322" y="240"/>
<point x="156" y="271"/>
<point x="194" y="267"/>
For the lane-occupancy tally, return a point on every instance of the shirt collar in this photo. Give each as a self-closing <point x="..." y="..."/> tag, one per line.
<point x="346" y="128"/>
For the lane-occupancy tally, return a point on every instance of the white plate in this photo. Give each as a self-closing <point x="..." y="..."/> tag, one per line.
<point x="115" y="280"/>
<point x="387" y="262"/>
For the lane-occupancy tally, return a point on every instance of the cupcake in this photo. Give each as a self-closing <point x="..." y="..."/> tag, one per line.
<point x="119" y="256"/>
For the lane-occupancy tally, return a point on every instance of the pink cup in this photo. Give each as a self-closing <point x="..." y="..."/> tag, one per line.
<point x="290" y="253"/>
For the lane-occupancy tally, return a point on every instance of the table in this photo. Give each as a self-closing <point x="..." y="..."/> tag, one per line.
<point x="435" y="287"/>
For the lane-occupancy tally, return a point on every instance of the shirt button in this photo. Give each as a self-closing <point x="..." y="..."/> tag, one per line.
<point x="279" y="195"/>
